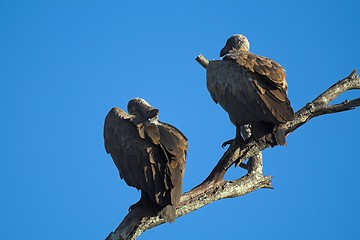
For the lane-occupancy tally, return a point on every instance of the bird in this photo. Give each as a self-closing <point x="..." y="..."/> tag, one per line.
<point x="150" y="155"/>
<point x="252" y="89"/>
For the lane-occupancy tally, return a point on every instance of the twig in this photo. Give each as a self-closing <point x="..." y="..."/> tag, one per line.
<point x="203" y="61"/>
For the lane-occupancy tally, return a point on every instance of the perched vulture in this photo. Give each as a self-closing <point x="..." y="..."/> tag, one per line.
<point x="251" y="89"/>
<point x="149" y="154"/>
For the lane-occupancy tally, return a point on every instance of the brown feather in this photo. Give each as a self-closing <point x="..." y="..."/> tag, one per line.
<point x="152" y="161"/>
<point x="269" y="79"/>
<point x="274" y="72"/>
<point x="251" y="88"/>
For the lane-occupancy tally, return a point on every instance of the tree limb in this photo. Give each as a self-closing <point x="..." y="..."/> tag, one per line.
<point x="214" y="188"/>
<point x="136" y="222"/>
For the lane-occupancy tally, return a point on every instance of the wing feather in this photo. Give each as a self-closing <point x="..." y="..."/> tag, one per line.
<point x="144" y="155"/>
<point x="247" y="96"/>
<point x="274" y="72"/>
<point x="268" y="77"/>
<point x="275" y="100"/>
<point x="133" y="156"/>
<point x="174" y="143"/>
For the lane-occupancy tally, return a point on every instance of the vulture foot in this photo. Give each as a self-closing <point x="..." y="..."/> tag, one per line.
<point x="238" y="141"/>
<point x="135" y="205"/>
<point x="228" y="142"/>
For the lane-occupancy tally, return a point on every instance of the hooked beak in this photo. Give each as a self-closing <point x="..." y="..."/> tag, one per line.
<point x="224" y="51"/>
<point x="152" y="113"/>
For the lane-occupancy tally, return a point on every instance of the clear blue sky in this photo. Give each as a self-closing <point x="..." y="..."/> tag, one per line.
<point x="64" y="64"/>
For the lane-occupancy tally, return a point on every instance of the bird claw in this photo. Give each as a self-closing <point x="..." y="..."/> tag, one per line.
<point x="237" y="140"/>
<point x="228" y="142"/>
<point x="135" y="205"/>
<point x="242" y="165"/>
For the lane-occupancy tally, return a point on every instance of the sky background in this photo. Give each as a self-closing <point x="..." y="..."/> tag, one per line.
<point x="65" y="64"/>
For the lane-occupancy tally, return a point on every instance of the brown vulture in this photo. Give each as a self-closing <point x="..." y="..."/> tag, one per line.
<point x="149" y="154"/>
<point x="251" y="89"/>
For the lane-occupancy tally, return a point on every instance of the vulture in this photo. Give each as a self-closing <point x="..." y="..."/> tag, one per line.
<point x="149" y="154"/>
<point x="252" y="89"/>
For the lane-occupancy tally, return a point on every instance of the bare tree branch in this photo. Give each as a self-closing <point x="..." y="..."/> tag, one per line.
<point x="138" y="221"/>
<point x="203" y="61"/>
<point x="214" y="188"/>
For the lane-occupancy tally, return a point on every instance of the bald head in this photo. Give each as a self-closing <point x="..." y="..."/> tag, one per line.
<point x="139" y="107"/>
<point x="235" y="42"/>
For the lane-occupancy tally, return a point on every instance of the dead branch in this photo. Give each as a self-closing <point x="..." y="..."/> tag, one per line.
<point x="214" y="188"/>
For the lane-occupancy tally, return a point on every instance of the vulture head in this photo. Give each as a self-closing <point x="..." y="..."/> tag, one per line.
<point x="142" y="109"/>
<point x="235" y="42"/>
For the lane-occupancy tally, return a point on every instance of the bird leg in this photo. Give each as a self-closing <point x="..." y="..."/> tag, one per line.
<point x="246" y="133"/>
<point x="279" y="134"/>
<point x="239" y="140"/>
<point x="143" y="202"/>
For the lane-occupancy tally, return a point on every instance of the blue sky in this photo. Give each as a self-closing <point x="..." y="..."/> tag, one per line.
<point x="64" y="64"/>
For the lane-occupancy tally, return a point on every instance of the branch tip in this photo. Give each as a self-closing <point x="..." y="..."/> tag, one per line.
<point x="353" y="74"/>
<point x="202" y="61"/>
